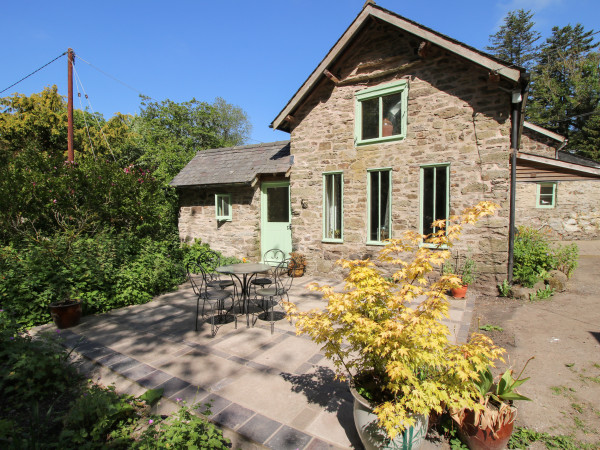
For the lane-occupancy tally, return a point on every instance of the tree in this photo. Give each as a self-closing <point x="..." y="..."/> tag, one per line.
<point x="171" y="133"/>
<point x="587" y="141"/>
<point x="40" y="121"/>
<point x="565" y="86"/>
<point x="514" y="41"/>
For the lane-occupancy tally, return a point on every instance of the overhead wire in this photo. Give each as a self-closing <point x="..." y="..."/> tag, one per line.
<point x="94" y="114"/>
<point x="114" y="78"/>
<point x="35" y="71"/>
<point x="87" y="128"/>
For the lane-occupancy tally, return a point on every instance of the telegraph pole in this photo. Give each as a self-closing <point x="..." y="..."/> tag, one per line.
<point x="71" y="152"/>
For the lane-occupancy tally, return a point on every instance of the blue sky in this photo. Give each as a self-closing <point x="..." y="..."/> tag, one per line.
<point x="254" y="54"/>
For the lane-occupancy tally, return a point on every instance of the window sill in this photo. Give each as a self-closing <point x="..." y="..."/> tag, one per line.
<point x="333" y="241"/>
<point x="378" y="243"/>
<point x="224" y="219"/>
<point x="544" y="207"/>
<point x="380" y="140"/>
<point x="434" y="246"/>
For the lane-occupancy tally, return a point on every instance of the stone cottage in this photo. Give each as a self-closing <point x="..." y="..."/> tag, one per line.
<point x="397" y="126"/>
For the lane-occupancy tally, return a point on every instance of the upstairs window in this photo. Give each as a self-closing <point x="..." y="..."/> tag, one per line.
<point x="223" y="207"/>
<point x="379" y="191"/>
<point x="435" y="196"/>
<point x="381" y="113"/>
<point x="332" y="207"/>
<point x="546" y="195"/>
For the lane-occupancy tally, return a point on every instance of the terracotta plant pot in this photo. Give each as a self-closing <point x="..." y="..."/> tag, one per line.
<point x="295" y="271"/>
<point x="66" y="314"/>
<point x="387" y="128"/>
<point x="484" y="439"/>
<point x="460" y="292"/>
<point x="374" y="437"/>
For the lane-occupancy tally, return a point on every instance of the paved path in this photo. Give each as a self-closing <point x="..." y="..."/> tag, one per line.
<point x="266" y="390"/>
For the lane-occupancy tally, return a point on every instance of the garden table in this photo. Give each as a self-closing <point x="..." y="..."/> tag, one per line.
<point x="246" y="271"/>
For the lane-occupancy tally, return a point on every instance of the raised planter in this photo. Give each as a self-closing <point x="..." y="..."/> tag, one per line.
<point x="373" y="437"/>
<point x="66" y="314"/>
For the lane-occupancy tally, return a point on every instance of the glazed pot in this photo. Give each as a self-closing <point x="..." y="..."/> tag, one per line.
<point x="66" y="314"/>
<point x="374" y="437"/>
<point x="460" y="292"/>
<point x="477" y="438"/>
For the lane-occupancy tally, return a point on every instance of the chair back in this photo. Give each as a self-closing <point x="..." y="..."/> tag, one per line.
<point x="209" y="260"/>
<point x="282" y="279"/>
<point x="273" y="257"/>
<point x="198" y="279"/>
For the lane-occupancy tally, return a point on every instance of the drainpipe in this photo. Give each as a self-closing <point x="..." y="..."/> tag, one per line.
<point x="518" y="102"/>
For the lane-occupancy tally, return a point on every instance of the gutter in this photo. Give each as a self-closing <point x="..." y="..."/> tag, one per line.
<point x="517" y="105"/>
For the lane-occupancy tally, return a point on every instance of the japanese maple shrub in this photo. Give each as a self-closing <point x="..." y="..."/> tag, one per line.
<point x="395" y="351"/>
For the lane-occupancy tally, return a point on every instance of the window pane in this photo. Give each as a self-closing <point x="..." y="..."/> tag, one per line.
<point x="370" y="118"/>
<point x="384" y="222"/>
<point x="545" y="200"/>
<point x="546" y="190"/>
<point x="333" y="206"/>
<point x="374" y="201"/>
<point x="428" y="203"/>
<point x="392" y="114"/>
<point x="440" y="193"/>
<point x="278" y="206"/>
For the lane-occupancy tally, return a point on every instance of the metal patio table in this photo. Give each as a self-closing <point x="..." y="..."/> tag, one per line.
<point x="247" y="271"/>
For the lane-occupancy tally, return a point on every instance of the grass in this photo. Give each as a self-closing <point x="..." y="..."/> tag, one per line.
<point x="488" y="327"/>
<point x="523" y="437"/>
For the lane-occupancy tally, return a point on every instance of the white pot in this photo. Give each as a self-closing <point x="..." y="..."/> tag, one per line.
<point x="374" y="437"/>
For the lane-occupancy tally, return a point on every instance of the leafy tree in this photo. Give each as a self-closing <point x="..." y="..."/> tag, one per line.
<point x="565" y="85"/>
<point x="40" y="121"/>
<point x="515" y="40"/>
<point x="171" y="133"/>
<point x="587" y="141"/>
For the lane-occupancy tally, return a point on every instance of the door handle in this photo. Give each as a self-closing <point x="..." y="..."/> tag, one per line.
<point x="289" y="227"/>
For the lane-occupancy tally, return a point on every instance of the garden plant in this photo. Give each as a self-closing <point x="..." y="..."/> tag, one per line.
<point x="395" y="352"/>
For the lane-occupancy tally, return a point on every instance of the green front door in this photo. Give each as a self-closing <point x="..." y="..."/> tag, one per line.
<point x="276" y="228"/>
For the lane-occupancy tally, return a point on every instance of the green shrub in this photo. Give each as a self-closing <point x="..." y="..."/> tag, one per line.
<point x="184" y="429"/>
<point x="566" y="259"/>
<point x="533" y="256"/>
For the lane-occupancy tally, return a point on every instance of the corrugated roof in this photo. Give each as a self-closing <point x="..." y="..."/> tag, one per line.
<point x="235" y="165"/>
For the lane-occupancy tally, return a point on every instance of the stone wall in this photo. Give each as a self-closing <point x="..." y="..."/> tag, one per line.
<point x="197" y="219"/>
<point x="453" y="117"/>
<point x="575" y="216"/>
<point x="538" y="144"/>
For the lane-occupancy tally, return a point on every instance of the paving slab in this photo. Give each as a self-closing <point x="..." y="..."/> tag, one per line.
<point x="266" y="390"/>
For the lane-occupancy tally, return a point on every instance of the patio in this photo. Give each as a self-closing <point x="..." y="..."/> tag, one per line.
<point x="266" y="390"/>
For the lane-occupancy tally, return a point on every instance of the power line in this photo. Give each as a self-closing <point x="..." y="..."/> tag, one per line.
<point x="113" y="77"/>
<point x="37" y="70"/>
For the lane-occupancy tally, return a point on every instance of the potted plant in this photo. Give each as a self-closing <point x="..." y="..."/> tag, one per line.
<point x="490" y="426"/>
<point x="297" y="264"/>
<point x="66" y="313"/>
<point x="397" y="356"/>
<point x="465" y="270"/>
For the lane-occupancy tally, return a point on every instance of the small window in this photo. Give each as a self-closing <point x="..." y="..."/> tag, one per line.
<point x="332" y="207"/>
<point x="379" y="191"/>
<point x="546" y="195"/>
<point x="223" y="207"/>
<point x="435" y="196"/>
<point x="381" y="113"/>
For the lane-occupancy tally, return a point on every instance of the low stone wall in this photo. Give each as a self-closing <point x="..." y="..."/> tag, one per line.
<point x="576" y="214"/>
<point x="197" y="220"/>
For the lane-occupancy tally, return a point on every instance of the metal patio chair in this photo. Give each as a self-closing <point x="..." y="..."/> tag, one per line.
<point x="210" y="260"/>
<point x="273" y="295"/>
<point x="271" y="257"/>
<point x="217" y="301"/>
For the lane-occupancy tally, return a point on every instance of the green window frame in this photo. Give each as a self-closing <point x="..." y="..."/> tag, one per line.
<point x="434" y="195"/>
<point x="381" y="113"/>
<point x="545" y="195"/>
<point x="333" y="207"/>
<point x="379" y="205"/>
<point x="223" y="207"/>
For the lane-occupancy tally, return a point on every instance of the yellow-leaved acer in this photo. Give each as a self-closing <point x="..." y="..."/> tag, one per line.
<point x="394" y="350"/>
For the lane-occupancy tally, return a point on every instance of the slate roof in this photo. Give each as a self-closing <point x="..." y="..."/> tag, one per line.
<point x="235" y="165"/>
<point x="568" y="157"/>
